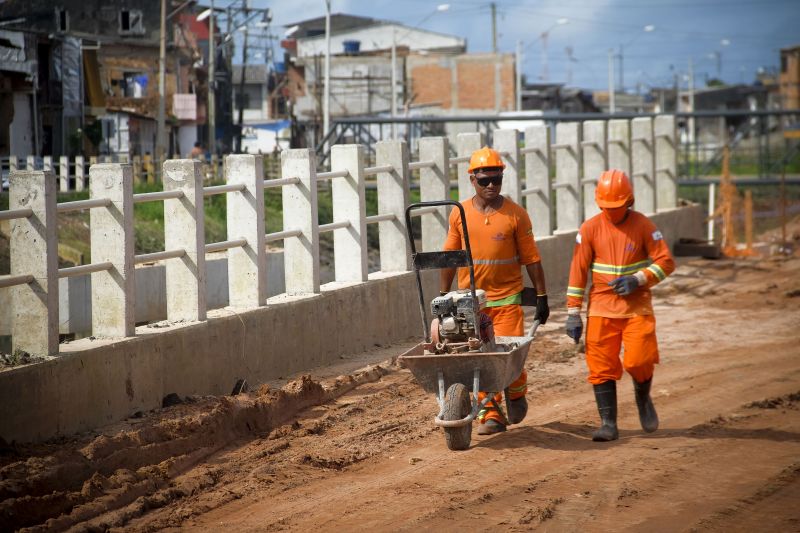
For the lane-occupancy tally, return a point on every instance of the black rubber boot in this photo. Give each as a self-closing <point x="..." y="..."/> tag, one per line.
<point x="517" y="409"/>
<point x="605" y="395"/>
<point x="648" y="417"/>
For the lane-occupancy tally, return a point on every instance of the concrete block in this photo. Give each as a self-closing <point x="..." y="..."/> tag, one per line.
<point x="300" y="212"/>
<point x="184" y="228"/>
<point x="568" y="176"/>
<point x="466" y="143"/>
<point x="393" y="197"/>
<point x="666" y="162"/>
<point x="595" y="162"/>
<point x="349" y="204"/>
<point x="112" y="238"/>
<point x="247" y="265"/>
<point x="508" y="141"/>
<point x="537" y="177"/>
<point x="34" y="251"/>
<point x="619" y="145"/>
<point x="643" y="164"/>
<point x="434" y="185"/>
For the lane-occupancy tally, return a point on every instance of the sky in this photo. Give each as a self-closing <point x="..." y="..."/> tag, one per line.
<point x="655" y="39"/>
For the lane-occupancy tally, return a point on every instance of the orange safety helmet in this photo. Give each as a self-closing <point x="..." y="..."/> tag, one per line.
<point x="613" y="189"/>
<point x="485" y="158"/>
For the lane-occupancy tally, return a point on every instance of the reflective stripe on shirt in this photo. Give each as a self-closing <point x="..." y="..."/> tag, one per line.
<point x="513" y="261"/>
<point x="577" y="292"/>
<point x="657" y="272"/>
<point x="620" y="270"/>
<point x="514" y="299"/>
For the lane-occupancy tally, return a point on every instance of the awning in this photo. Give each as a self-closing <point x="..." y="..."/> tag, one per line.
<point x="275" y="126"/>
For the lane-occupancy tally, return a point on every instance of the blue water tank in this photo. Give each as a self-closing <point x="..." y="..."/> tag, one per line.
<point x="351" y="47"/>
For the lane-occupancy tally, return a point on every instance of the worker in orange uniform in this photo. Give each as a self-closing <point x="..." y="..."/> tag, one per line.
<point x="627" y="255"/>
<point x="501" y="240"/>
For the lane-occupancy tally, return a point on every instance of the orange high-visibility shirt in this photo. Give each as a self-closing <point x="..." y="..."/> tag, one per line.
<point x="500" y="243"/>
<point x="610" y="252"/>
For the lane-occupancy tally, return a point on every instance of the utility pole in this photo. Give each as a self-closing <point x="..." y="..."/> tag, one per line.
<point x="519" y="75"/>
<point x="212" y="83"/>
<point x="691" y="100"/>
<point x="162" y="60"/>
<point x="393" y="90"/>
<point x="326" y="98"/>
<point x="611" y="98"/>
<point x="240" y="103"/>
<point x="494" y="27"/>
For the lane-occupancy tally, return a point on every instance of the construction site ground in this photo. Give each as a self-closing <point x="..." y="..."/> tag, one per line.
<point x="343" y="450"/>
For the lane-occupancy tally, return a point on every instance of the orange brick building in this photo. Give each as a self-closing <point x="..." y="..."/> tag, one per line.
<point x="790" y="77"/>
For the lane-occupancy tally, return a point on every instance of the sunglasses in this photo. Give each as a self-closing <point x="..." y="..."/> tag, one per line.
<point x="494" y="180"/>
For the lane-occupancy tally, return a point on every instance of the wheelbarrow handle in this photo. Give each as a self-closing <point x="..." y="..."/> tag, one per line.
<point x="534" y="327"/>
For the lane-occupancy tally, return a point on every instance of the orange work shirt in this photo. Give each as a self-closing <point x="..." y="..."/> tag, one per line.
<point x="611" y="251"/>
<point x="500" y="242"/>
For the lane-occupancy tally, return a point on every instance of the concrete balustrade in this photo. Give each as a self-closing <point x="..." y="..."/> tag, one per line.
<point x="300" y="208"/>
<point x="595" y="161"/>
<point x="34" y="251"/>
<point x="349" y="203"/>
<point x="112" y="238"/>
<point x="466" y="143"/>
<point x="184" y="228"/>
<point x="507" y="142"/>
<point x="537" y="179"/>
<point x="434" y="185"/>
<point x="643" y="169"/>
<point x="247" y="265"/>
<point x="666" y="162"/>
<point x="568" y="176"/>
<point x="619" y="145"/>
<point x="393" y="197"/>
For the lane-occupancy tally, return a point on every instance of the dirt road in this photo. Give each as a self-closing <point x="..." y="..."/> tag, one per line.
<point x="361" y="452"/>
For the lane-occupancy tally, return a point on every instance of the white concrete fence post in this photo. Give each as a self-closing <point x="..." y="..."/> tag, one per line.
<point x="537" y="179"/>
<point x="393" y="197"/>
<point x="301" y="254"/>
<point x="47" y="163"/>
<point x="30" y="163"/>
<point x="112" y="235"/>
<point x="595" y="161"/>
<point x="80" y="173"/>
<point x="13" y="164"/>
<point x="184" y="227"/>
<point x="247" y="265"/>
<point x="568" y="176"/>
<point x="643" y="164"/>
<point x="666" y="162"/>
<point x="507" y="141"/>
<point x="619" y="145"/>
<point x="466" y="143"/>
<point x="34" y="251"/>
<point x="63" y="173"/>
<point x="434" y="185"/>
<point x="349" y="203"/>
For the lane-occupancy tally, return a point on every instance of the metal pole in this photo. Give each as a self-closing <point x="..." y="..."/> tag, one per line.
<point x="712" y="196"/>
<point x="783" y="207"/>
<point x="162" y="60"/>
<point x="692" y="137"/>
<point x="519" y="75"/>
<point x="241" y="91"/>
<point x="326" y="98"/>
<point x="212" y="97"/>
<point x="611" y="100"/>
<point x="494" y="27"/>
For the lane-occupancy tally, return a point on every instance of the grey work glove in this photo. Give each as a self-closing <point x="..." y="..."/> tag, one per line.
<point x="574" y="324"/>
<point x="624" y="285"/>
<point x="542" y="309"/>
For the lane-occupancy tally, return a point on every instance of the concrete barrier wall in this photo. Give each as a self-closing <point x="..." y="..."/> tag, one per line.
<point x="96" y="382"/>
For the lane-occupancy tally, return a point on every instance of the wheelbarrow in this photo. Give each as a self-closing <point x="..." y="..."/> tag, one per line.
<point x="450" y="376"/>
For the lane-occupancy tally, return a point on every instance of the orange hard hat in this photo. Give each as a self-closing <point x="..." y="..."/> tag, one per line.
<point x="613" y="189"/>
<point x="485" y="158"/>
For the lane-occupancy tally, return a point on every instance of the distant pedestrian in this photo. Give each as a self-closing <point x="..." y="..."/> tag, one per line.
<point x="197" y="152"/>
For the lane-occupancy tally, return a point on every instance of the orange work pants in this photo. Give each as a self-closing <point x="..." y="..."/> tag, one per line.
<point x="508" y="320"/>
<point x="603" y="339"/>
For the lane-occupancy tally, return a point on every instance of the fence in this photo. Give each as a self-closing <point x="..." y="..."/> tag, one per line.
<point x="643" y="147"/>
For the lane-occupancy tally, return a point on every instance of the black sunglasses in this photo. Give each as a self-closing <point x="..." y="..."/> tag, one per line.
<point x="495" y="180"/>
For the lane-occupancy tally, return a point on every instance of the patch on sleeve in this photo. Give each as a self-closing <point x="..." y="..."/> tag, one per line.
<point x="657" y="235"/>
<point x="578" y="237"/>
<point x="530" y="231"/>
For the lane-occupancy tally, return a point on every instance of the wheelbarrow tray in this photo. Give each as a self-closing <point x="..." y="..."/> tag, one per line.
<point x="497" y="369"/>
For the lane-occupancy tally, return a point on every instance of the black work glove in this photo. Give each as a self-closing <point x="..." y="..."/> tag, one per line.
<point x="542" y="309"/>
<point x="624" y="285"/>
<point x="574" y="326"/>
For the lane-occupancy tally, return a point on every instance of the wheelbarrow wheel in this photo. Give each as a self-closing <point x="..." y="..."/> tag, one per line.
<point x="457" y="405"/>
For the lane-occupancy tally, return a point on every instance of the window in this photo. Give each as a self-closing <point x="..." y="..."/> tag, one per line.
<point x="62" y="20"/>
<point x="131" y="22"/>
<point x="783" y="63"/>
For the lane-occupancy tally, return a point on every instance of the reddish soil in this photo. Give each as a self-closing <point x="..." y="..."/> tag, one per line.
<point x="361" y="451"/>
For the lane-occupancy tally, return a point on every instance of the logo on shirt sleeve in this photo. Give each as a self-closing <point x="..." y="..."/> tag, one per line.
<point x="578" y="238"/>
<point x="657" y="235"/>
<point x="530" y="231"/>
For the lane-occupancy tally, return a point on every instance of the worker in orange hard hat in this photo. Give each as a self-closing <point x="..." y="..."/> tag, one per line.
<point x="626" y="255"/>
<point x="501" y="239"/>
